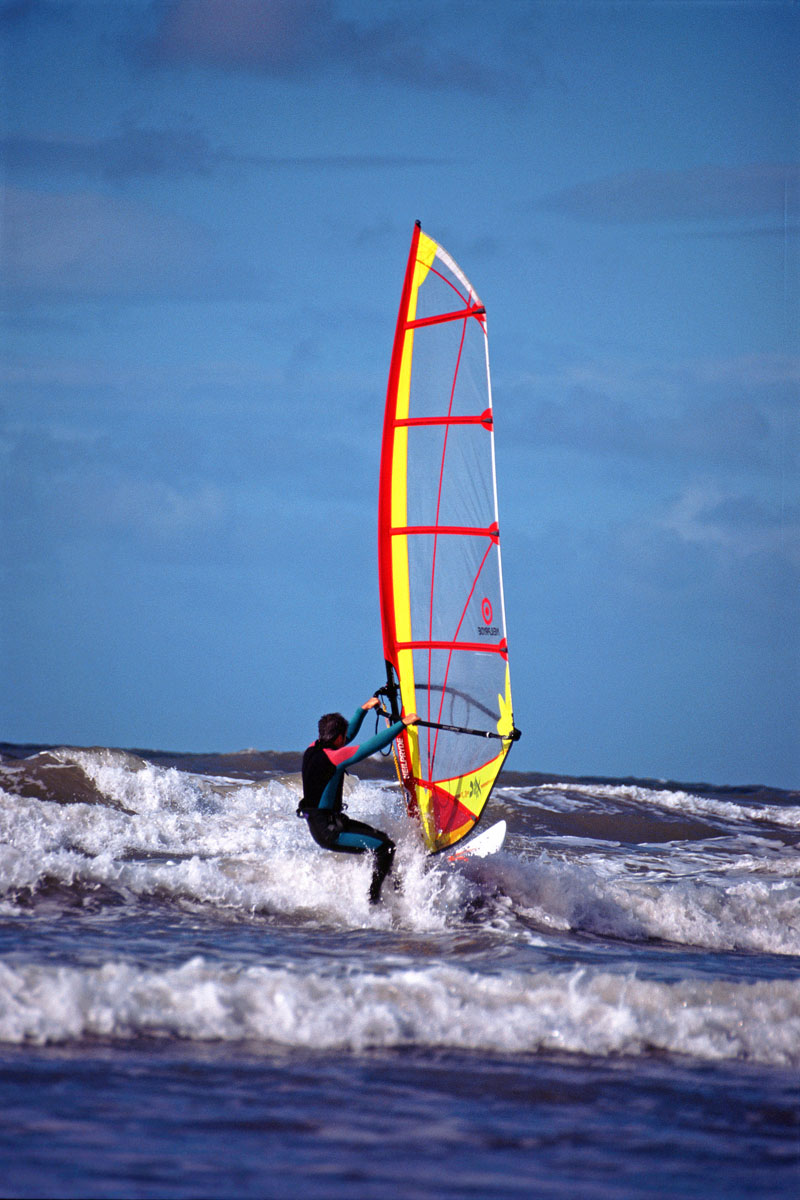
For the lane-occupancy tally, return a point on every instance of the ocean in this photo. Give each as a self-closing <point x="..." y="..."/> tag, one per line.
<point x="197" y="1001"/>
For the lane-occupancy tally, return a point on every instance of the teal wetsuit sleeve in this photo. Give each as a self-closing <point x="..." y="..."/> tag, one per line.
<point x="355" y="724"/>
<point x="381" y="739"/>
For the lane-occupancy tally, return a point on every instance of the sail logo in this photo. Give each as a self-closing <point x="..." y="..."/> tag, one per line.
<point x="487" y="612"/>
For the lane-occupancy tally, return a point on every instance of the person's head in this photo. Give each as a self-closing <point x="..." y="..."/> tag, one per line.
<point x="331" y="727"/>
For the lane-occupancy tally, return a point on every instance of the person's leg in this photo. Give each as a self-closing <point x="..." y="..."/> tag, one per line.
<point x="355" y="838"/>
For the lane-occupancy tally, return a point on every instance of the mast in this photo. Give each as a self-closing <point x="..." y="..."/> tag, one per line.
<point x="384" y="492"/>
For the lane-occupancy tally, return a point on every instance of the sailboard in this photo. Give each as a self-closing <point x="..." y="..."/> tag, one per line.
<point x="489" y="841"/>
<point x="441" y="583"/>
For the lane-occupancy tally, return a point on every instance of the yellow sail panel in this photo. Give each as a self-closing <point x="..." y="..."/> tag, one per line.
<point x="450" y="809"/>
<point x="439" y="551"/>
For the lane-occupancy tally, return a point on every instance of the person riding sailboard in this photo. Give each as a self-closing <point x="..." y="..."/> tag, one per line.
<point x="324" y="766"/>
<point x="441" y="583"/>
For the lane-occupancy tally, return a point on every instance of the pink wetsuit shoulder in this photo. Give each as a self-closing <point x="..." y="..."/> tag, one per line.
<point x="337" y="757"/>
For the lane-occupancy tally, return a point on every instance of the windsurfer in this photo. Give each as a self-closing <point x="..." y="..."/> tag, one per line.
<point x="324" y="765"/>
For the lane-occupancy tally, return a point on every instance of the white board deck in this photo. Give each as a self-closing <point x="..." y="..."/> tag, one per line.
<point x="488" y="842"/>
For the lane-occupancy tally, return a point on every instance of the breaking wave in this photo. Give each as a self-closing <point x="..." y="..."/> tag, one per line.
<point x="439" y="1006"/>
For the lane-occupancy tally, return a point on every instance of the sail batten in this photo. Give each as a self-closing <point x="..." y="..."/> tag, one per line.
<point x="442" y="605"/>
<point x="485" y="419"/>
<point x="462" y="530"/>
<point x="477" y="311"/>
<point x="472" y="647"/>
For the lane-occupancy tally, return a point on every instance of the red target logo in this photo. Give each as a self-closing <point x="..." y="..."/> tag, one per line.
<point x="486" y="610"/>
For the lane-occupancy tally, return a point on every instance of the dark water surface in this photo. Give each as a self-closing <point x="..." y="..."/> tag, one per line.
<point x="197" y="1001"/>
<point x="182" y="1120"/>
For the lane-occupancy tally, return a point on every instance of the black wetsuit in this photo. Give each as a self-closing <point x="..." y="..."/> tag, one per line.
<point x="323" y="780"/>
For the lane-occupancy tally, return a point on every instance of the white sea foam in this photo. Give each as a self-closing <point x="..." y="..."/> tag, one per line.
<point x="606" y="895"/>
<point x="238" y="844"/>
<point x="222" y="842"/>
<point x="436" y="1006"/>
<point x="674" y="801"/>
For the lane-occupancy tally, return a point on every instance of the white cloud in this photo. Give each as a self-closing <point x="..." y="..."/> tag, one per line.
<point x="153" y="507"/>
<point x="741" y="411"/>
<point x="707" y="515"/>
<point x="85" y="244"/>
<point x="304" y="38"/>
<point x="737" y="192"/>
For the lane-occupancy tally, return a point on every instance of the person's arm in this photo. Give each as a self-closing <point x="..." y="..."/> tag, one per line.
<point x="346" y="756"/>
<point x="358" y="717"/>
<point x="355" y="724"/>
<point x="384" y="737"/>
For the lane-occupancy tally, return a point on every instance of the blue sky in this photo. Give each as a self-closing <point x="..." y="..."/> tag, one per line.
<point x="207" y="206"/>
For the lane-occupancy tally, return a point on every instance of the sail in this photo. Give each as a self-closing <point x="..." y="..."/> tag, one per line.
<point x="443" y="615"/>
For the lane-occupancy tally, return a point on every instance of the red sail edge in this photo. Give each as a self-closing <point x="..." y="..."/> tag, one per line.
<point x="385" y="581"/>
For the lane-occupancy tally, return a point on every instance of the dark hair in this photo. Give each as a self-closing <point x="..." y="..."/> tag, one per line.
<point x="331" y="726"/>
